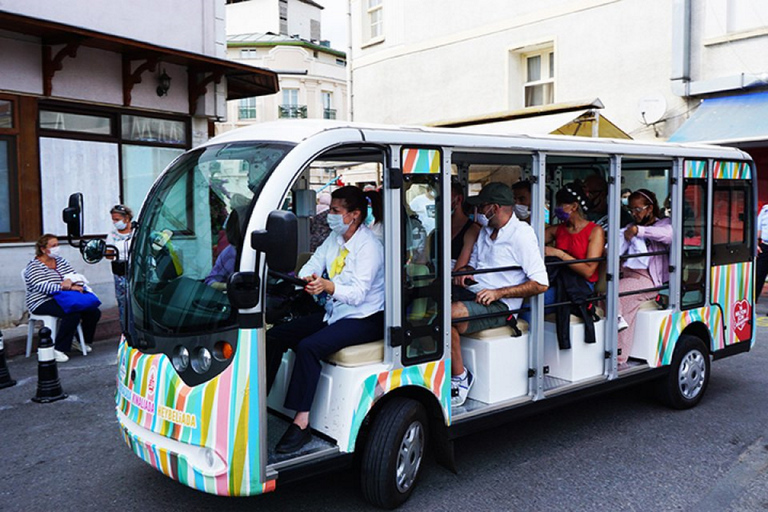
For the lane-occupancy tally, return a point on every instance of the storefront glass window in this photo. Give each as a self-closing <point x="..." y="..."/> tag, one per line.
<point x="146" y="129"/>
<point x="141" y="166"/>
<point x="65" y="121"/>
<point x="6" y="114"/>
<point x="5" y="186"/>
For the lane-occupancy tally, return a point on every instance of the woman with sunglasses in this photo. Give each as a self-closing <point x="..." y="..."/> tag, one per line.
<point x="643" y="272"/>
<point x="120" y="237"/>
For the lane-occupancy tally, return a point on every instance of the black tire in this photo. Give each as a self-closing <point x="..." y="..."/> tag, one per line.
<point x="394" y="453"/>
<point x="688" y="376"/>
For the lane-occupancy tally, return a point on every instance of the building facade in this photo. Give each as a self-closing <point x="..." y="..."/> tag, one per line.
<point x="98" y="98"/>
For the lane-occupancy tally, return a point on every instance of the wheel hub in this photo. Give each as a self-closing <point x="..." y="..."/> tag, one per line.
<point x="692" y="374"/>
<point x="409" y="456"/>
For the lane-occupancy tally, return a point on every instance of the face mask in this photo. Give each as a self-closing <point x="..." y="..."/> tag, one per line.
<point x="481" y="219"/>
<point x="522" y="211"/>
<point x="336" y="223"/>
<point x="369" y="219"/>
<point x="561" y="214"/>
<point x="120" y="225"/>
<point x="54" y="251"/>
<point x="625" y="201"/>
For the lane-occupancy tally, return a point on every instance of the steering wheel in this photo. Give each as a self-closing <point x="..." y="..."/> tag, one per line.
<point x="288" y="278"/>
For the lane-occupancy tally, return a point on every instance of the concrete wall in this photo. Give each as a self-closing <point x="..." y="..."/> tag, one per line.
<point x="131" y="20"/>
<point x="447" y="60"/>
<point x="253" y="16"/>
<point x="299" y="16"/>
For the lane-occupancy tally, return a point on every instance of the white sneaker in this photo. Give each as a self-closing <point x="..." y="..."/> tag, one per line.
<point x="60" y="357"/>
<point x="622" y="323"/>
<point x="78" y="349"/>
<point x="460" y="392"/>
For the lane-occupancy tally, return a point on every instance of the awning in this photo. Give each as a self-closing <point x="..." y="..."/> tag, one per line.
<point x="243" y="81"/>
<point x="730" y="119"/>
<point x="580" y="119"/>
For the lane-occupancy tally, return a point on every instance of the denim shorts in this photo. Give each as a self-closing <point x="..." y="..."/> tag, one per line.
<point x="482" y="324"/>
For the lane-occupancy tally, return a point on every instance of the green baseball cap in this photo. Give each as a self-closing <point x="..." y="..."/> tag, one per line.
<point x="493" y="193"/>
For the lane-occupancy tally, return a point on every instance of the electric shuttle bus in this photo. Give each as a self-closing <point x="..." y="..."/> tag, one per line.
<point x="191" y="383"/>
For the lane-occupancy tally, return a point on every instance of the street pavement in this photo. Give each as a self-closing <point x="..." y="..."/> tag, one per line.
<point x="621" y="451"/>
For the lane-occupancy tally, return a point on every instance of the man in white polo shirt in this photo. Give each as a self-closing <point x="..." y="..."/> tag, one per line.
<point x="504" y="241"/>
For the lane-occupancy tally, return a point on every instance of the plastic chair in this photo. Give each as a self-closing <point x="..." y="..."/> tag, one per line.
<point x="51" y="322"/>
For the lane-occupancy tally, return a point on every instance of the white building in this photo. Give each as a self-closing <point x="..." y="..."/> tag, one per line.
<point x="98" y="97"/>
<point x="535" y="65"/>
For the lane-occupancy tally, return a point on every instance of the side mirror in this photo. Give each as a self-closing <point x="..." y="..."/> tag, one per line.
<point x="94" y="250"/>
<point x="73" y="216"/>
<point x="280" y="241"/>
<point x="243" y="290"/>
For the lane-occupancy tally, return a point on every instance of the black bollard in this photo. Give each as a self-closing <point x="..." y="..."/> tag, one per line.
<point x="48" y="384"/>
<point x="5" y="377"/>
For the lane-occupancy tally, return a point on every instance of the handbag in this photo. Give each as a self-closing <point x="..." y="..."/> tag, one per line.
<point x="72" y="301"/>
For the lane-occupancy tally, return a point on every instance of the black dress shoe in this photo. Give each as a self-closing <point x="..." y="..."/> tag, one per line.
<point x="293" y="439"/>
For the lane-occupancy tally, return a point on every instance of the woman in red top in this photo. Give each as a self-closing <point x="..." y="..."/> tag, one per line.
<point x="575" y="237"/>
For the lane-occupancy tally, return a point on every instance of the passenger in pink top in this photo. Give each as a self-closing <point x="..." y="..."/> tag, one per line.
<point x="657" y="235"/>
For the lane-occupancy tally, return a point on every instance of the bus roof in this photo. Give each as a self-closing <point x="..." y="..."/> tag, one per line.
<point x="296" y="131"/>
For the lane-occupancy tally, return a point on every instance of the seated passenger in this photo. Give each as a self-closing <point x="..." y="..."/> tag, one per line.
<point x="464" y="231"/>
<point x="375" y="215"/>
<point x="575" y="237"/>
<point x="522" y="193"/>
<point x="349" y="268"/>
<point x="655" y="234"/>
<point x="504" y="241"/>
<point x="318" y="225"/>
<point x="225" y="262"/>
<point x="596" y="190"/>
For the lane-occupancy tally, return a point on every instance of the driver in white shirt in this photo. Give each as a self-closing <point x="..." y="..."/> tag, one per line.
<point x="349" y="268"/>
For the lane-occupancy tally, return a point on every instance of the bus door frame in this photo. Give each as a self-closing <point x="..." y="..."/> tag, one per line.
<point x="613" y="267"/>
<point x="536" y="326"/>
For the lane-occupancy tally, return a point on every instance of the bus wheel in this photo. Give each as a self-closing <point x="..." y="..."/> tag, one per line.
<point x="394" y="452"/>
<point x="688" y="376"/>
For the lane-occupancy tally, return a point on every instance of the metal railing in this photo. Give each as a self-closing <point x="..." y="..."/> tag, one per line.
<point x="292" y="111"/>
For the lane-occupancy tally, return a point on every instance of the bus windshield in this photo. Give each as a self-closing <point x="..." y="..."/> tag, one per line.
<point x="191" y="228"/>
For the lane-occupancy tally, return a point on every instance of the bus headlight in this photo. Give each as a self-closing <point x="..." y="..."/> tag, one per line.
<point x="180" y="358"/>
<point x="201" y="363"/>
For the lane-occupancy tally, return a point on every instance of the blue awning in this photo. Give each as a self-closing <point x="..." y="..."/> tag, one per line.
<point x="726" y="120"/>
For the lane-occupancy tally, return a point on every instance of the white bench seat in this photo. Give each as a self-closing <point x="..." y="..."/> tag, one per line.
<point x="359" y="355"/>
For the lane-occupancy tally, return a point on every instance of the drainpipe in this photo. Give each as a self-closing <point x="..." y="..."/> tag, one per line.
<point x="350" y="94"/>
<point x="681" y="47"/>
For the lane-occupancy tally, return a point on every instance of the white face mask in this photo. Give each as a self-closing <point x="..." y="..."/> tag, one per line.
<point x="120" y="225"/>
<point x="54" y="251"/>
<point x="522" y="211"/>
<point x="336" y="223"/>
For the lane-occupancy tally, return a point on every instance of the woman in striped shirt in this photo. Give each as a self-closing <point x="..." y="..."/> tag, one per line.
<point x="44" y="276"/>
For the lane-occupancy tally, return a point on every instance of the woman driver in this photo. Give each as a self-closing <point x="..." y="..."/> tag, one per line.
<point x="349" y="267"/>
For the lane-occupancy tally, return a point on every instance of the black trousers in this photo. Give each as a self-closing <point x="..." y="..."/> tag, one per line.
<point x="68" y="324"/>
<point x="761" y="271"/>
<point x="313" y="340"/>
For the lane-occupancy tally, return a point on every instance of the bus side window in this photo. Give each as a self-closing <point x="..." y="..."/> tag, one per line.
<point x="694" y="242"/>
<point x="731" y="225"/>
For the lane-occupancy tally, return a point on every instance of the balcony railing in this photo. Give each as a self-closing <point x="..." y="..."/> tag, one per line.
<point x="293" y="111"/>
<point x="329" y="113"/>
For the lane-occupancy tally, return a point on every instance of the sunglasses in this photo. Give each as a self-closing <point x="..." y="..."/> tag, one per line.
<point x="119" y="209"/>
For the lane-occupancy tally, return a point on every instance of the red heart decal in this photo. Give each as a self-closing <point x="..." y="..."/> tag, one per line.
<point x="742" y="316"/>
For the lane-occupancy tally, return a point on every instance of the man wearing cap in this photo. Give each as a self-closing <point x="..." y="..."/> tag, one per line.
<point x="504" y="241"/>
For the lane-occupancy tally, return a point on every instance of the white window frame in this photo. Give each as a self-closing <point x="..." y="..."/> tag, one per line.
<point x="546" y="75"/>
<point x="248" y="53"/>
<point x="247" y="106"/>
<point x="290" y="94"/>
<point x="373" y="21"/>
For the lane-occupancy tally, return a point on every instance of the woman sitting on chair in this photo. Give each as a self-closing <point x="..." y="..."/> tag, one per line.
<point x="44" y="276"/>
<point x="349" y="268"/>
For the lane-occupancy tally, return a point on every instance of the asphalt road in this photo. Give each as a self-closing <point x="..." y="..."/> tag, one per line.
<point x="622" y="451"/>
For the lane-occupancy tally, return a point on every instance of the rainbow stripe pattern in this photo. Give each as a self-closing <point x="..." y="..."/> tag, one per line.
<point x="732" y="170"/>
<point x="673" y="325"/>
<point x="695" y="169"/>
<point x="732" y="289"/>
<point x="221" y="414"/>
<point x="431" y="376"/>
<point x="421" y="161"/>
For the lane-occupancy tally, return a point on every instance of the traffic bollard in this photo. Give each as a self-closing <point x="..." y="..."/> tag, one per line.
<point x="5" y="376"/>
<point x="48" y="384"/>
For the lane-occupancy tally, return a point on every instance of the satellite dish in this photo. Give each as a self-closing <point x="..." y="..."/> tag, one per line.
<point x="651" y="108"/>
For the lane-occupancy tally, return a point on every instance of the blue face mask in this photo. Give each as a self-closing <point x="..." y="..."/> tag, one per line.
<point x="336" y="223"/>
<point x="561" y="214"/>
<point x="370" y="219"/>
